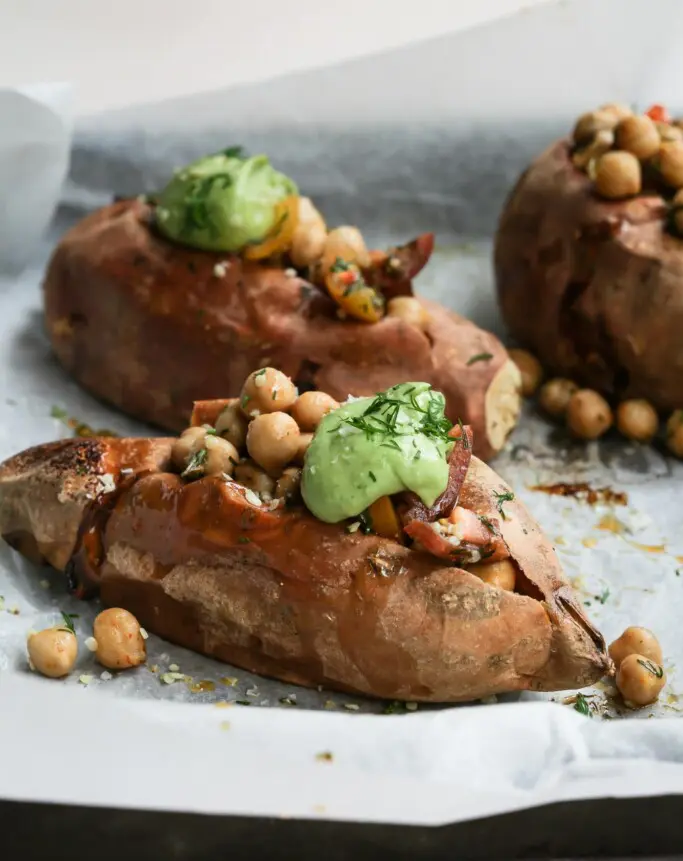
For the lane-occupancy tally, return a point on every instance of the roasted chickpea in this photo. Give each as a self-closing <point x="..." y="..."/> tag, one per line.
<point x="310" y="235"/>
<point x="637" y="419"/>
<point x="410" y="310"/>
<point x="188" y="443"/>
<point x="267" y="391"/>
<point x="617" y="109"/>
<point x="311" y="408"/>
<point x="53" y="652"/>
<point x="120" y="643"/>
<point x="231" y="424"/>
<point x="601" y="143"/>
<point x="347" y="243"/>
<point x="588" y="125"/>
<point x="305" y="439"/>
<point x="554" y="396"/>
<point x="639" y="136"/>
<point x="674" y="433"/>
<point x="588" y="414"/>
<point x="221" y="456"/>
<point x="677" y="211"/>
<point x="668" y="132"/>
<point x="502" y="574"/>
<point x="640" y="680"/>
<point x="530" y="369"/>
<point x="636" y="641"/>
<point x="671" y="163"/>
<point x="618" y="175"/>
<point x="288" y="486"/>
<point x="272" y="441"/>
<point x="251" y="476"/>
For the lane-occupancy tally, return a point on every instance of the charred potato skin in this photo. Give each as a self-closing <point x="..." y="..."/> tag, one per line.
<point x="230" y="586"/>
<point x="150" y="327"/>
<point x="593" y="288"/>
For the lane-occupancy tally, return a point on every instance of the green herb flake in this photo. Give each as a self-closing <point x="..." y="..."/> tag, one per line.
<point x="365" y="522"/>
<point x="652" y="668"/>
<point x="68" y="622"/>
<point x="340" y="265"/>
<point x="195" y="465"/>
<point x="288" y="701"/>
<point x="603" y="596"/>
<point x="243" y="540"/>
<point x="394" y="708"/>
<point x="583" y="706"/>
<point x="678" y="572"/>
<point x="235" y="152"/>
<point x="243" y="702"/>
<point x="479" y="357"/>
<point x="487" y="523"/>
<point x="244" y="401"/>
<point x="59" y="413"/>
<point x="372" y="475"/>
<point x="501" y="499"/>
<point x="260" y="373"/>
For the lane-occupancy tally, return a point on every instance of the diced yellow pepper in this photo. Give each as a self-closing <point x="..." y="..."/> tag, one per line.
<point x="280" y="239"/>
<point x="384" y="519"/>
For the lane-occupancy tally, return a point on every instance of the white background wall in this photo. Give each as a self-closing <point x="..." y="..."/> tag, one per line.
<point x="134" y="51"/>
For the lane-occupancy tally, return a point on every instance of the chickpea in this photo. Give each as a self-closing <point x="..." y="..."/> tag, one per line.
<point x="311" y="408"/>
<point x="310" y="235"/>
<point x="347" y="243"/>
<point x="53" y="652"/>
<point x="251" y="476"/>
<point x="668" y="132"/>
<point x="410" y="310"/>
<point x="188" y="443"/>
<point x="671" y="163"/>
<point x="601" y="143"/>
<point x="636" y="641"/>
<point x="305" y="439"/>
<point x="677" y="211"/>
<point x="273" y="440"/>
<point x="639" y="136"/>
<point x="267" y="391"/>
<point x="618" y="175"/>
<point x="637" y="419"/>
<point x="640" y="680"/>
<point x="221" y="456"/>
<point x="617" y="109"/>
<point x="588" y="125"/>
<point x="554" y="396"/>
<point x="502" y="574"/>
<point x="588" y="414"/>
<point x="674" y="433"/>
<point x="232" y="425"/>
<point x="120" y="644"/>
<point x="288" y="486"/>
<point x="530" y="369"/>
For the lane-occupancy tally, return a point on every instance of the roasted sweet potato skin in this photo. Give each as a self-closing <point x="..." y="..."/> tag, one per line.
<point x="151" y="327"/>
<point x="594" y="288"/>
<point x="282" y="594"/>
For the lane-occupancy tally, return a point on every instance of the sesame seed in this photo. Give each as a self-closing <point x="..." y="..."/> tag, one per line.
<point x="251" y="497"/>
<point x="260" y="381"/>
<point x="354" y="527"/>
<point x="144" y="634"/>
<point x="91" y="644"/>
<point x="219" y="270"/>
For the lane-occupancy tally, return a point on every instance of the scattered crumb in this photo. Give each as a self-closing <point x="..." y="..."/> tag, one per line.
<point x="584" y="492"/>
<point x="229" y="681"/>
<point x="14" y="610"/>
<point x="352" y="707"/>
<point x="589" y="542"/>
<point x="289" y="700"/>
<point x="330" y="704"/>
<point x="561" y="541"/>
<point x="45" y="584"/>
<point x="170" y="678"/>
<point x="153" y="668"/>
<point x="490" y="700"/>
<point x="412" y="707"/>
<point x="319" y="808"/>
<point x="325" y="756"/>
<point x="174" y="668"/>
<point x="106" y="675"/>
<point x="224" y="724"/>
<point x="220" y="269"/>
<point x="290" y="273"/>
<point x="223" y="704"/>
<point x="252" y="692"/>
<point x="85" y="679"/>
<point x="91" y="644"/>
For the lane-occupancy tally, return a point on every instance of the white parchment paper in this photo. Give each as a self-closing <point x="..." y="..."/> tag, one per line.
<point x="429" y="157"/>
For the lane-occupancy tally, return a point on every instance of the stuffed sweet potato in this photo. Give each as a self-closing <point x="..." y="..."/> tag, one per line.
<point x="589" y="257"/>
<point x="150" y="310"/>
<point x="440" y="589"/>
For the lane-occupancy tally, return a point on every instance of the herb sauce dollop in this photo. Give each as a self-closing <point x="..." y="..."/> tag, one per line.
<point x="373" y="447"/>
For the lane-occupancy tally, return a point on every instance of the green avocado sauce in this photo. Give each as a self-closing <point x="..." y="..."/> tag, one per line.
<point x="223" y="202"/>
<point x="373" y="447"/>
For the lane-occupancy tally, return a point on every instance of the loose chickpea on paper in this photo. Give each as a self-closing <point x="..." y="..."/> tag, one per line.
<point x="272" y="441"/>
<point x="636" y="641"/>
<point x="530" y="369"/>
<point x="267" y="391"/>
<point x="120" y="644"/>
<point x="618" y="175"/>
<point x="674" y="433"/>
<point x="311" y="408"/>
<point x="640" y="680"/>
<point x="53" y="652"/>
<point x="638" y="135"/>
<point x="410" y="310"/>
<point x="554" y="396"/>
<point x="637" y="419"/>
<point x="589" y="416"/>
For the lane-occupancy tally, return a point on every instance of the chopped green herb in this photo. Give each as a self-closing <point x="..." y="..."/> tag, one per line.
<point x="243" y="540"/>
<point x="372" y="475"/>
<point x="480" y="357"/>
<point x="235" y="152"/>
<point x="68" y="622"/>
<point x="287" y="701"/>
<point x="603" y="596"/>
<point x="195" y="465"/>
<point x="274" y="394"/>
<point x="583" y="706"/>
<point x="59" y="413"/>
<point x="260" y="373"/>
<point x="678" y="572"/>
<point x="243" y="702"/>
<point x="653" y="668"/>
<point x="487" y="523"/>
<point x="340" y="265"/>
<point x="244" y="401"/>
<point x="501" y="499"/>
<point x="394" y="708"/>
<point x="365" y="522"/>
